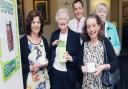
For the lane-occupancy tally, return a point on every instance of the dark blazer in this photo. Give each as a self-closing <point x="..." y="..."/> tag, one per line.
<point x="24" y="56"/>
<point x="74" y="49"/>
<point x="113" y="59"/>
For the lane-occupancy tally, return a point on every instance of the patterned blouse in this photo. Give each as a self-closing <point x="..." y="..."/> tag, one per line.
<point x="93" y="54"/>
<point x="37" y="55"/>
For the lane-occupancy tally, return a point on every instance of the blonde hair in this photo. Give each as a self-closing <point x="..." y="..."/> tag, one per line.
<point x="62" y="11"/>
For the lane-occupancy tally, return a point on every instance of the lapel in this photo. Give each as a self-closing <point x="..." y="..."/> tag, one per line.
<point x="108" y="26"/>
<point x="26" y="45"/>
<point x="57" y="35"/>
<point x="68" y="40"/>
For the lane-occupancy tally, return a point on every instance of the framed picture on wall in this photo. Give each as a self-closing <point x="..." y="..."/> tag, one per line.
<point x="21" y="21"/>
<point x="44" y="7"/>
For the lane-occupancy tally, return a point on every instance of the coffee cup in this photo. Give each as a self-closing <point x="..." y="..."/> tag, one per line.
<point x="91" y="67"/>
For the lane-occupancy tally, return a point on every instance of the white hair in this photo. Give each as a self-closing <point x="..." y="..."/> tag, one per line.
<point x="98" y="6"/>
<point x="62" y="11"/>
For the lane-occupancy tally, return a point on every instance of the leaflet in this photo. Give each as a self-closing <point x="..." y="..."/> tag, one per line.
<point x="61" y="50"/>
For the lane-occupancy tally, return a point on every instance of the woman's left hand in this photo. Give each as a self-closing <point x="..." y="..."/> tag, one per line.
<point x="67" y="57"/>
<point x="100" y="68"/>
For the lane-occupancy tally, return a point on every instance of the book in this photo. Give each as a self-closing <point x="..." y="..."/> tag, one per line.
<point x="61" y="50"/>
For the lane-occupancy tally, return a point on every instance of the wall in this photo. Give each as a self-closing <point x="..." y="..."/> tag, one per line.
<point x="54" y="6"/>
<point x="93" y="3"/>
<point x="68" y="4"/>
<point x="120" y="18"/>
<point x="115" y="12"/>
<point x="48" y="29"/>
<point x="114" y="15"/>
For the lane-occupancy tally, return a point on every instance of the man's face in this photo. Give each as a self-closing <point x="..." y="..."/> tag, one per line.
<point x="78" y="10"/>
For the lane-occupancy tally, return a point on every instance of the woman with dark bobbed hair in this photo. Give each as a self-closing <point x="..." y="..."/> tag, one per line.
<point x="34" y="53"/>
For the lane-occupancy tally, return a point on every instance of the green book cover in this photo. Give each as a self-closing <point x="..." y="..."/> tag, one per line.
<point x="61" y="50"/>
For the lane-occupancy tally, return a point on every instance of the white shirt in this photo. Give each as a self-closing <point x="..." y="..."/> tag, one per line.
<point x="77" y="25"/>
<point x="61" y="66"/>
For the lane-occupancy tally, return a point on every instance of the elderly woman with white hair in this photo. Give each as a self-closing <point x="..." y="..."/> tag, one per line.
<point x="110" y="29"/>
<point x="65" y="53"/>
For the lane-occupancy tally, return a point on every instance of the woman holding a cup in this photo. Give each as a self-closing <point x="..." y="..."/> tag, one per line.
<point x="34" y="53"/>
<point x="94" y="54"/>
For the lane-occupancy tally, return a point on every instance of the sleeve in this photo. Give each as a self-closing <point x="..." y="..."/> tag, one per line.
<point x="46" y="48"/>
<point x="81" y="57"/>
<point x="24" y="56"/>
<point x="77" y="55"/>
<point x="117" y="42"/>
<point x="113" y="59"/>
<point x="52" y="39"/>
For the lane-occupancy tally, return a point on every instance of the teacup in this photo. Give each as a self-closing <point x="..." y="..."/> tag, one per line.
<point x="91" y="67"/>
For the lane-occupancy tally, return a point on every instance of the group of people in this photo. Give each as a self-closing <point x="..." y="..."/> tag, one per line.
<point x="75" y="46"/>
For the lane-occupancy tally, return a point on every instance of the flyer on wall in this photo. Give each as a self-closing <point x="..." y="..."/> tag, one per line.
<point x="9" y="39"/>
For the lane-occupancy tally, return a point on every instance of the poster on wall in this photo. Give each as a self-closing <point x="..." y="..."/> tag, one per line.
<point x="10" y="66"/>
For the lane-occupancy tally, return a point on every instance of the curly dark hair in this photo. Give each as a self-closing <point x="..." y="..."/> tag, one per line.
<point x="29" y="20"/>
<point x="99" y="22"/>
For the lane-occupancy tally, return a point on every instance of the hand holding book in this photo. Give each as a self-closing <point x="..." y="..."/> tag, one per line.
<point x="61" y="50"/>
<point x="64" y="56"/>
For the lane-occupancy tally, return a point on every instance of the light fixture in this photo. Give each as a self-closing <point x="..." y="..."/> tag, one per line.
<point x="67" y="2"/>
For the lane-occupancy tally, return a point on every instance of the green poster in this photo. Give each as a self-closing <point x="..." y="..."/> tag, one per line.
<point x="9" y="39"/>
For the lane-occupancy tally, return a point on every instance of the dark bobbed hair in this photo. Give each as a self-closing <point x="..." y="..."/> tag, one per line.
<point x="99" y="22"/>
<point x="75" y="1"/>
<point x="29" y="19"/>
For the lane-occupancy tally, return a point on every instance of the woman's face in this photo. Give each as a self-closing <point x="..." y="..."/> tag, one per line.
<point x="35" y="25"/>
<point x="62" y="21"/>
<point x="102" y="12"/>
<point x="92" y="28"/>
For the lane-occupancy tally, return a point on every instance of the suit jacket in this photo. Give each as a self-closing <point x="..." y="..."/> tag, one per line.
<point x="24" y="49"/>
<point x="74" y="49"/>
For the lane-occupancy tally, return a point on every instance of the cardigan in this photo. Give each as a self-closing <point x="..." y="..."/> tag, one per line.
<point x="73" y="47"/>
<point x="24" y="49"/>
<point x="113" y="59"/>
<point x="112" y="35"/>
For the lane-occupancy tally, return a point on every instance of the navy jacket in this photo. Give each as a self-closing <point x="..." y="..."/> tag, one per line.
<point x="73" y="47"/>
<point x="24" y="56"/>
